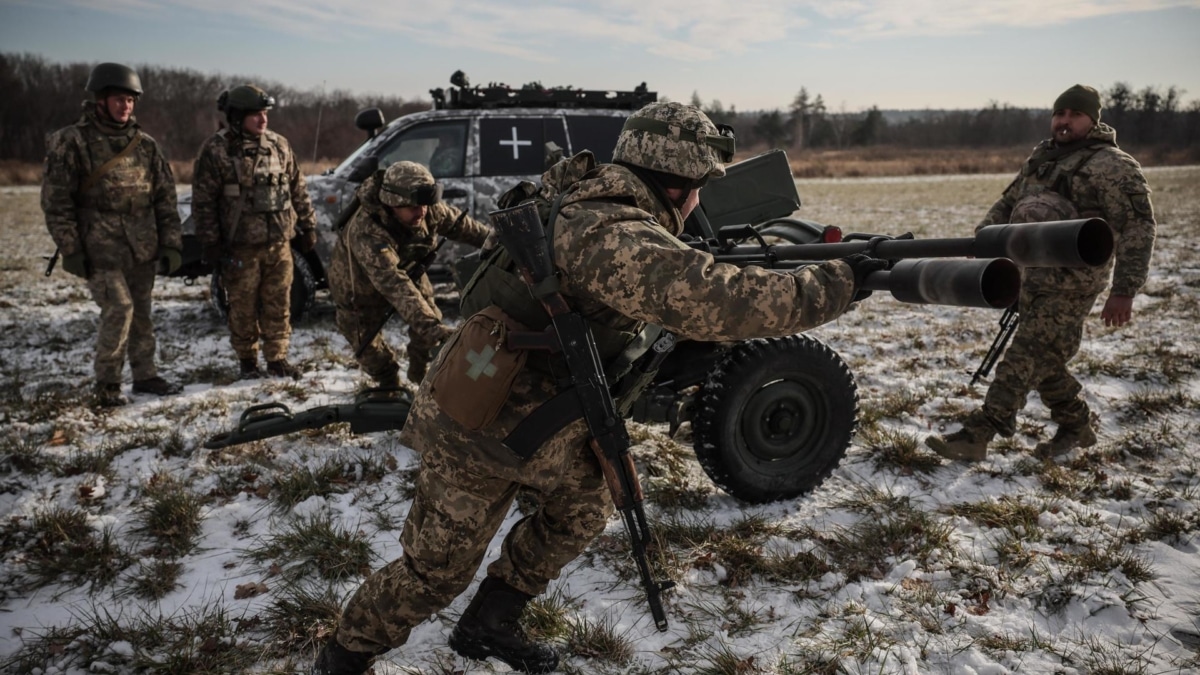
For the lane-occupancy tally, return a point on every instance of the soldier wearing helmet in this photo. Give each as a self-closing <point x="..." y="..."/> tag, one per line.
<point x="109" y="199"/>
<point x="251" y="206"/>
<point x="378" y="268"/>
<point x="1077" y="173"/>
<point x="486" y="421"/>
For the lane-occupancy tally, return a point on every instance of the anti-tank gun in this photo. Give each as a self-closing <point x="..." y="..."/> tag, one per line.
<point x="771" y="418"/>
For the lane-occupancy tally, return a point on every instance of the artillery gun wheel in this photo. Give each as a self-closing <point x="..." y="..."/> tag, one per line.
<point x="775" y="417"/>
<point x="304" y="290"/>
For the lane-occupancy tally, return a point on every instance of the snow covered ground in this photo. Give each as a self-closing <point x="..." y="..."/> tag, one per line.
<point x="898" y="563"/>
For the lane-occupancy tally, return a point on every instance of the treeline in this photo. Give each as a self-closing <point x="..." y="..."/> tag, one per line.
<point x="179" y="109"/>
<point x="1144" y="118"/>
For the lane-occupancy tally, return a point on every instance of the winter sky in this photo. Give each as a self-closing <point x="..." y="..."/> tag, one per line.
<point x="753" y="54"/>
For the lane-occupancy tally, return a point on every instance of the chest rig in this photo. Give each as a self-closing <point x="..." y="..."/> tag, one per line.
<point x="125" y="184"/>
<point x="258" y="178"/>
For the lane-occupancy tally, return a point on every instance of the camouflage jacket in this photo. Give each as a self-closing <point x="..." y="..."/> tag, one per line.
<point x="621" y="265"/>
<point x="125" y="215"/>
<point x="1101" y="181"/>
<point x="248" y="191"/>
<point x="374" y="251"/>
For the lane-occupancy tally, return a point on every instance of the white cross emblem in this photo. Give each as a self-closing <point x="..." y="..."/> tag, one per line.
<point x="481" y="364"/>
<point x="514" y="143"/>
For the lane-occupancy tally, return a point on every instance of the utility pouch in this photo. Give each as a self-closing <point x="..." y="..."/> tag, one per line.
<point x="477" y="369"/>
<point x="270" y="196"/>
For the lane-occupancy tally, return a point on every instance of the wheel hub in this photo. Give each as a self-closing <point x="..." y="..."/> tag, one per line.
<point x="780" y="418"/>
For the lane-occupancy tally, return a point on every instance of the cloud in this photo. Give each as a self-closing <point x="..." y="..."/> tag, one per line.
<point x="881" y="18"/>
<point x="682" y="30"/>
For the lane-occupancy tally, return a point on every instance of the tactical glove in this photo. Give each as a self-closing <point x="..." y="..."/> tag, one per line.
<point x="212" y="254"/>
<point x="862" y="265"/>
<point x="307" y="241"/>
<point x="77" y="264"/>
<point x="169" y="260"/>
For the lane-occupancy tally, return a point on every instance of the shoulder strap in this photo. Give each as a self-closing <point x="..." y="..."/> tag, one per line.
<point x="107" y="166"/>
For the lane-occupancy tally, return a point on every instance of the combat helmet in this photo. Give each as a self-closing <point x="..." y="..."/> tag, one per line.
<point x="113" y="76"/>
<point x="409" y="184"/>
<point x="246" y="98"/>
<point x="675" y="139"/>
<point x="1045" y="206"/>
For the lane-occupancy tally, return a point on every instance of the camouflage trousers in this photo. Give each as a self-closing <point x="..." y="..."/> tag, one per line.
<point x="425" y="331"/>
<point x="258" y="281"/>
<point x="1047" y="337"/>
<point x="355" y="324"/>
<point x="465" y="488"/>
<point x="125" y="325"/>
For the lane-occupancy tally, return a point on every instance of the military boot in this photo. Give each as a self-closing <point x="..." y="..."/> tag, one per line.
<point x="1067" y="439"/>
<point x="108" y="395"/>
<point x="282" y="368"/>
<point x="334" y="659"/>
<point x="968" y="444"/>
<point x="157" y="386"/>
<point x="490" y="627"/>
<point x="249" y="369"/>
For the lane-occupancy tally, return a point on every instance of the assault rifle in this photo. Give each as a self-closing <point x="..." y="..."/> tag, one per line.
<point x="1008" y="326"/>
<point x="520" y="230"/>
<point x="373" y="410"/>
<point x="918" y="275"/>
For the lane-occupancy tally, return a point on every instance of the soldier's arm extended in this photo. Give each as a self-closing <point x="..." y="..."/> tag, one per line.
<point x="207" y="185"/>
<point x="380" y="261"/>
<point x="306" y="217"/>
<point x="640" y="270"/>
<point x="62" y="175"/>
<point x="166" y="205"/>
<point x="454" y="224"/>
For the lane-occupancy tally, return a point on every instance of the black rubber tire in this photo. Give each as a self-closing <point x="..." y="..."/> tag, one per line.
<point x="304" y="290"/>
<point x="775" y="417"/>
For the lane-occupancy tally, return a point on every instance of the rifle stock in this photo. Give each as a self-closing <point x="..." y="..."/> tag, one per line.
<point x="521" y="232"/>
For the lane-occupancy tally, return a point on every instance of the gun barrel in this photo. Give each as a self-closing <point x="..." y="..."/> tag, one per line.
<point x="1064" y="243"/>
<point x="1061" y="243"/>
<point x="994" y="283"/>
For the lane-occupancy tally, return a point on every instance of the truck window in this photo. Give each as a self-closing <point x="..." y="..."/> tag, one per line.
<point x="516" y="146"/>
<point x="597" y="133"/>
<point x="441" y="146"/>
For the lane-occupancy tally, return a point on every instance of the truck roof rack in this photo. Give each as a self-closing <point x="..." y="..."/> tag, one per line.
<point x="534" y="95"/>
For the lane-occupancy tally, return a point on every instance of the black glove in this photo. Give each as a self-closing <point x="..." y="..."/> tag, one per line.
<point x="862" y="265"/>
<point x="77" y="264"/>
<point x="212" y="254"/>
<point x="306" y="241"/>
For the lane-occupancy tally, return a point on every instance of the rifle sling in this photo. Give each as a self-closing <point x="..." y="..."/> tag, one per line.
<point x="107" y="166"/>
<point x="543" y="423"/>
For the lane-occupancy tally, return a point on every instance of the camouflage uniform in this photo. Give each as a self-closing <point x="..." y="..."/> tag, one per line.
<point x="250" y="199"/>
<point x="1099" y="181"/>
<point x="620" y="265"/>
<point x="121" y="223"/>
<point x="368" y="273"/>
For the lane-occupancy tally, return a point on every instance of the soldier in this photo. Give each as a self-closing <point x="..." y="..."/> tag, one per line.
<point x="1078" y="173"/>
<point x="109" y="199"/>
<point x="620" y="265"/>
<point x="378" y="266"/>
<point x="249" y="199"/>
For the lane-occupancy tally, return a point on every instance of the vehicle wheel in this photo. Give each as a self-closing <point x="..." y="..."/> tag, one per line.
<point x="775" y="417"/>
<point x="304" y="290"/>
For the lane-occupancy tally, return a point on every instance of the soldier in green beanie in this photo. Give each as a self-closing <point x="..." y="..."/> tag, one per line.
<point x="1077" y="173"/>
